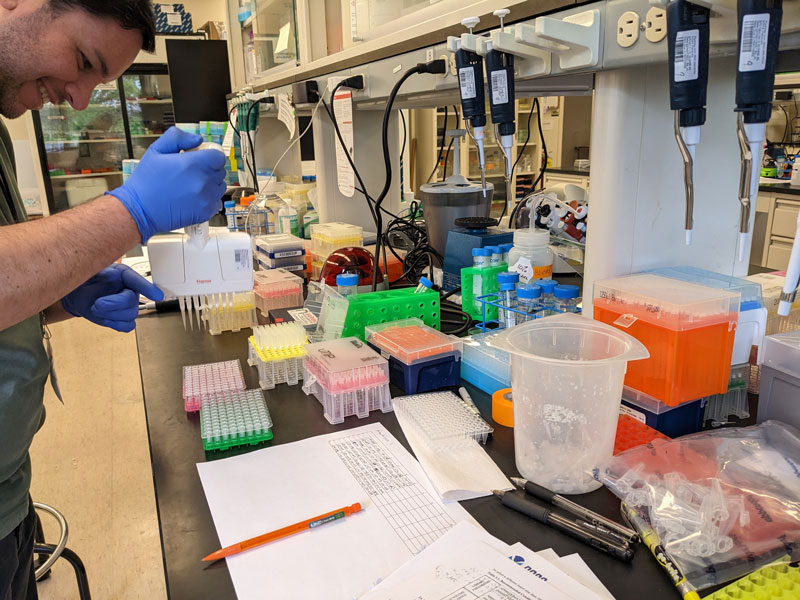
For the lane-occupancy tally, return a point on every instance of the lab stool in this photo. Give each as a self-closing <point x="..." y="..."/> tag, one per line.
<point x="54" y="551"/>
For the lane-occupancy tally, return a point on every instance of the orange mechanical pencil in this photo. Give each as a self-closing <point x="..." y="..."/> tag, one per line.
<point x="266" y="538"/>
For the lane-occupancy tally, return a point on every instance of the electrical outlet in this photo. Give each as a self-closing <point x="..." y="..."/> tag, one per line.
<point x="429" y="55"/>
<point x="655" y="24"/>
<point x="628" y="29"/>
<point x="448" y="63"/>
<point x="453" y="69"/>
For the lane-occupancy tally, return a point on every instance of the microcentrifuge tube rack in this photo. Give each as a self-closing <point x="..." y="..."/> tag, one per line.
<point x="229" y="312"/>
<point x="234" y="419"/>
<point x="201" y="381"/>
<point x="442" y="419"/>
<point x="277" y="352"/>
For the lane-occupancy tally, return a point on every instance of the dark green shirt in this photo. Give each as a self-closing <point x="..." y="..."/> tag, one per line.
<point x="24" y="368"/>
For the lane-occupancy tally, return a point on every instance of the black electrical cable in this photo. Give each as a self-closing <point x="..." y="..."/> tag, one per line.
<point x="421" y="68"/>
<point x="785" y="137"/>
<point x="450" y="146"/>
<point x="534" y="102"/>
<point x="405" y="135"/>
<point x="251" y="142"/>
<point x="441" y="148"/>
<point x="230" y="114"/>
<point x="532" y="190"/>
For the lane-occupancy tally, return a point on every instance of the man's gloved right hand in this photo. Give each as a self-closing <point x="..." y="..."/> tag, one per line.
<point x="169" y="190"/>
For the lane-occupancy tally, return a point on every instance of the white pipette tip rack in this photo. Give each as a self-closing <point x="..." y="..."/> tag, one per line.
<point x="202" y="381"/>
<point x="442" y="419"/>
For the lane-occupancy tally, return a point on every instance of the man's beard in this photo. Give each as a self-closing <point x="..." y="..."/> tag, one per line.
<point x="10" y="108"/>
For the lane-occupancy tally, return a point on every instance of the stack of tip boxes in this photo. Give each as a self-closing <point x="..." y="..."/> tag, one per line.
<point x="277" y="351"/>
<point x="230" y="312"/>
<point x="281" y="251"/>
<point x="421" y="359"/>
<point x="689" y="331"/>
<point x="329" y="237"/>
<point x="347" y="377"/>
<point x="277" y="288"/>
<point x="485" y="367"/>
<point x="230" y="415"/>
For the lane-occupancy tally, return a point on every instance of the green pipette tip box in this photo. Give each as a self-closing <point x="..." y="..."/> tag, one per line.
<point x="390" y="305"/>
<point x="776" y="582"/>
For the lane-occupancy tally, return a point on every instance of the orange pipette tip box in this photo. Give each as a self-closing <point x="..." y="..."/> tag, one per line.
<point x="410" y="340"/>
<point x="632" y="433"/>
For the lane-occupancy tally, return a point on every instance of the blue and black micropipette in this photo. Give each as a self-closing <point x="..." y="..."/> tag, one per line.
<point x="473" y="101"/>
<point x="759" y="34"/>
<point x="500" y="74"/>
<point x="688" y="42"/>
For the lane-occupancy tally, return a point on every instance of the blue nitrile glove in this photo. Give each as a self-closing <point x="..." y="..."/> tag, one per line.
<point x="169" y="190"/>
<point x="111" y="298"/>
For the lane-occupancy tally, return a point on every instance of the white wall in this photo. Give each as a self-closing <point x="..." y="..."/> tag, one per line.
<point x="21" y="129"/>
<point x="205" y="10"/>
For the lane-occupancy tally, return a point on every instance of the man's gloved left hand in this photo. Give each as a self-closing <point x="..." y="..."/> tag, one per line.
<point x="111" y="298"/>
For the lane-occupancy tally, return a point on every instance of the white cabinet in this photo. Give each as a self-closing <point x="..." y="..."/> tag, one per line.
<point x="774" y="230"/>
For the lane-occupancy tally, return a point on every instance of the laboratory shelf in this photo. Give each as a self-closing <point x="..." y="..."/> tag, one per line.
<point x="105" y="140"/>
<point x="79" y="175"/>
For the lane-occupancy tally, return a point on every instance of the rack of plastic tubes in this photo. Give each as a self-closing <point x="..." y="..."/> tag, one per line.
<point x="517" y="304"/>
<point x="277" y="352"/>
<point x="229" y="312"/>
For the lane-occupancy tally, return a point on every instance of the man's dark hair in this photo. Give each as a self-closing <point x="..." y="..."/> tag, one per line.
<point x="130" y="14"/>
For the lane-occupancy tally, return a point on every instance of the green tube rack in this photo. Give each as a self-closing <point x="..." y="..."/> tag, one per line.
<point x="776" y="582"/>
<point x="488" y="285"/>
<point x="390" y="305"/>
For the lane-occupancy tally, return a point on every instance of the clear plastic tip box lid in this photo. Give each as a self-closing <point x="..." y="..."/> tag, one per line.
<point x="782" y="352"/>
<point x="345" y="364"/>
<point x="668" y="303"/>
<point x="749" y="290"/>
<point x="411" y="341"/>
<point x="442" y="418"/>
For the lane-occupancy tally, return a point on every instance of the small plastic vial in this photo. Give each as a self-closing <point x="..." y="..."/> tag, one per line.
<point x="230" y="214"/>
<point x="424" y="285"/>
<point x="506" y="248"/>
<point x="508" y="297"/>
<point x="497" y="256"/>
<point x="481" y="257"/>
<point x="548" y="286"/>
<point x="567" y="298"/>
<point x="347" y="284"/>
<point x="528" y="297"/>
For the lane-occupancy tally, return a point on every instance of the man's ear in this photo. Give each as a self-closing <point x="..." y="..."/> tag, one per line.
<point x="9" y="4"/>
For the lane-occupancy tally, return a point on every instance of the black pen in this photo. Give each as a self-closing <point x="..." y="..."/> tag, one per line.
<point x="542" y="493"/>
<point x="545" y="515"/>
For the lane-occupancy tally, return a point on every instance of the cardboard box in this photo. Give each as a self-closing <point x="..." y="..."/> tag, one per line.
<point x="215" y="30"/>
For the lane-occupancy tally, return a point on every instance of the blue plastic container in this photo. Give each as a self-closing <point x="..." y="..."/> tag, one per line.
<point x="673" y="421"/>
<point x="425" y="375"/>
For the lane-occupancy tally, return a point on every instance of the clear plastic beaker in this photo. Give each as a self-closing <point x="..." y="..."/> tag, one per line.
<point x="566" y="376"/>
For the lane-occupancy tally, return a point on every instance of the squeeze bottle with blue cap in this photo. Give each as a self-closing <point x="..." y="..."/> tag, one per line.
<point x="347" y="284"/>
<point x="424" y="285"/>
<point x="508" y="297"/>
<point x="481" y="257"/>
<point x="528" y="297"/>
<point x="548" y="286"/>
<point x="566" y="298"/>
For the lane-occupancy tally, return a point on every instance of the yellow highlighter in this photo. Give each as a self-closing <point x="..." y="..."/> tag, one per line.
<point x="650" y="539"/>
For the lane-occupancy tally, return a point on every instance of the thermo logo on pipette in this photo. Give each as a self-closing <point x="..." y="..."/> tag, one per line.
<point x="203" y="281"/>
